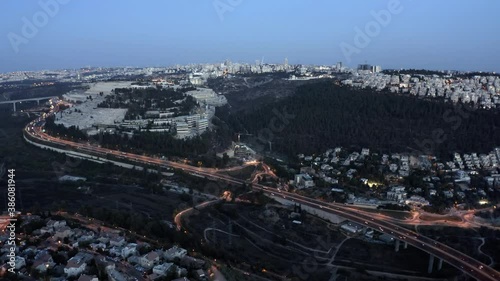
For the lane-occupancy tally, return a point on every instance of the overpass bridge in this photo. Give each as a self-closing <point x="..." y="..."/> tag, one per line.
<point x="13" y="102"/>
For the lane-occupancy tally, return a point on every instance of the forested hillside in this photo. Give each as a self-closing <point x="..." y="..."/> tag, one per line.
<point x="328" y="115"/>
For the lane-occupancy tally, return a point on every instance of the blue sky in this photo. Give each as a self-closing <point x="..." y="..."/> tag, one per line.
<point x="431" y="34"/>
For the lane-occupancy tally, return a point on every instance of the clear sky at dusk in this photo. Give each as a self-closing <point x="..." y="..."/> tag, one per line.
<point x="431" y="34"/>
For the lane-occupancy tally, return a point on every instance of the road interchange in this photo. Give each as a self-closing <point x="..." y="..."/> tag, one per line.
<point x="476" y="269"/>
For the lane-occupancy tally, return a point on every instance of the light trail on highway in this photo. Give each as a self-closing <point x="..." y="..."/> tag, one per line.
<point x="464" y="263"/>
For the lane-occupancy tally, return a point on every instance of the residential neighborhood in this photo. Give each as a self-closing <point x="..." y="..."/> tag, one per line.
<point x="376" y="180"/>
<point x="481" y="91"/>
<point x="63" y="249"/>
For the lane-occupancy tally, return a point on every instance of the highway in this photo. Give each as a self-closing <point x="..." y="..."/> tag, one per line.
<point x="29" y="99"/>
<point x="455" y="258"/>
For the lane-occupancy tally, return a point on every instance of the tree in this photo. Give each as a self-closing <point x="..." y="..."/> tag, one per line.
<point x="225" y="159"/>
<point x="83" y="244"/>
<point x="59" y="258"/>
<point x="185" y="197"/>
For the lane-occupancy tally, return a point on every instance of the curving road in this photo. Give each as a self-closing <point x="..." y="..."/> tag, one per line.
<point x="466" y="264"/>
<point x="457" y="259"/>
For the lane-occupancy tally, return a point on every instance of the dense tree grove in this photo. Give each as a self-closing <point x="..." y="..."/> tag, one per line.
<point x="72" y="133"/>
<point x="325" y="115"/>
<point x="159" y="143"/>
<point x="200" y="149"/>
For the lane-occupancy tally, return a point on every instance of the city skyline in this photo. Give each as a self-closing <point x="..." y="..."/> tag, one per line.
<point x="225" y="140"/>
<point x="56" y="34"/>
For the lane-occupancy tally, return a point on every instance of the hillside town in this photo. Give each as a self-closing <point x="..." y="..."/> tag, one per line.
<point x="375" y="180"/>
<point x="483" y="91"/>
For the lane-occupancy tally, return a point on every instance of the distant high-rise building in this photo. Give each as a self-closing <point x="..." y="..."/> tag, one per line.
<point x="286" y="62"/>
<point x="338" y="66"/>
<point x="365" y="67"/>
<point x="372" y="68"/>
